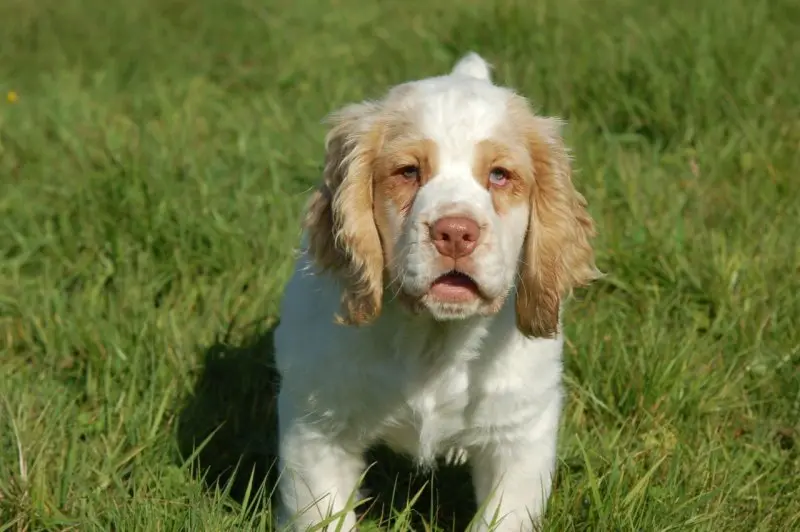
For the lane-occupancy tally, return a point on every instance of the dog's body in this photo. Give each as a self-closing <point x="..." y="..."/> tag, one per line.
<point x="424" y="388"/>
<point x="446" y="232"/>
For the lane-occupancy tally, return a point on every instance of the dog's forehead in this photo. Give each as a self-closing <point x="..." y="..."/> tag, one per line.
<point x="455" y="112"/>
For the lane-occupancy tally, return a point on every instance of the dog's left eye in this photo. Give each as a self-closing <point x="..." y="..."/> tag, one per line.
<point x="498" y="177"/>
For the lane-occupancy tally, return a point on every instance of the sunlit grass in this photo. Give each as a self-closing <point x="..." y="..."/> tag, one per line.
<point x="154" y="160"/>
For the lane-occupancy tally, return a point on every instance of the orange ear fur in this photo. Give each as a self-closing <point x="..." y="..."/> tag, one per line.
<point x="557" y="255"/>
<point x="343" y="237"/>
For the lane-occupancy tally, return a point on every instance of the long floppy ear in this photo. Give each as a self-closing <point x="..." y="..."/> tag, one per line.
<point x="558" y="255"/>
<point x="339" y="221"/>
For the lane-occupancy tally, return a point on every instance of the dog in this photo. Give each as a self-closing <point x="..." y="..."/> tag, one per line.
<point x="425" y="308"/>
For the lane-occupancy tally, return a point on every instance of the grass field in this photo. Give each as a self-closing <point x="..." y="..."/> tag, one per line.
<point x="154" y="160"/>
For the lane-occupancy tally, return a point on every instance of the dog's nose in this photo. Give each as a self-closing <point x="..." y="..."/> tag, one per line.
<point x="455" y="236"/>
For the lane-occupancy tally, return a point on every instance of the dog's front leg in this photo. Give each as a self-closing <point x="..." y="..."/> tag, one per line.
<point x="319" y="475"/>
<point x="512" y="485"/>
<point x="513" y="472"/>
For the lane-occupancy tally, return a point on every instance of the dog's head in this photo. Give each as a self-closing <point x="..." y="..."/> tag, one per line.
<point x="448" y="193"/>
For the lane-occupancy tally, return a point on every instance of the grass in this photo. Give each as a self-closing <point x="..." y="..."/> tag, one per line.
<point x="154" y="160"/>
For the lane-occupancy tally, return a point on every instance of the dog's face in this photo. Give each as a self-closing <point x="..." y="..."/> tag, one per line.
<point x="448" y="194"/>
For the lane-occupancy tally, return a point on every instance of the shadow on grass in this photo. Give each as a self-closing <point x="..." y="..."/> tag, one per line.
<point x="233" y="410"/>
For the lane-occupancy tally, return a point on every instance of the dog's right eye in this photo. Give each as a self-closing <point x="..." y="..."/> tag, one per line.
<point x="410" y="172"/>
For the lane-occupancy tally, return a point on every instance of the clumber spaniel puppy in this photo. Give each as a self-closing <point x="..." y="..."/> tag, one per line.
<point x="425" y="307"/>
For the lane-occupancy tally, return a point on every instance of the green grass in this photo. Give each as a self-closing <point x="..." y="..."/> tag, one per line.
<point x="153" y="169"/>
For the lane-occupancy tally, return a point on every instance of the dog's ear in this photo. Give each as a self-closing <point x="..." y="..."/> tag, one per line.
<point x="557" y="254"/>
<point x="342" y="234"/>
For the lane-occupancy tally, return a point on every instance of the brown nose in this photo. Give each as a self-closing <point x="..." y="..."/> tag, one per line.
<point x="455" y="237"/>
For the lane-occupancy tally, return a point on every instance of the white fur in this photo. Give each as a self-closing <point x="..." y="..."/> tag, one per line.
<point x="472" y="65"/>
<point x="442" y="383"/>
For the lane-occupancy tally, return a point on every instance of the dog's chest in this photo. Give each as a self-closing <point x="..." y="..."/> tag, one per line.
<point x="435" y="378"/>
<point x="426" y="376"/>
<point x="432" y="418"/>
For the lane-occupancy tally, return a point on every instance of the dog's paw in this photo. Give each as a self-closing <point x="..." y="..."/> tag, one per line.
<point x="456" y="456"/>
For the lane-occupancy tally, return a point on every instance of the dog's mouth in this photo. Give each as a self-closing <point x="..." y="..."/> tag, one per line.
<point x="455" y="286"/>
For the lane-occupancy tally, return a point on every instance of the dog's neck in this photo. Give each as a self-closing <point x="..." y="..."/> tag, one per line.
<point x="433" y="343"/>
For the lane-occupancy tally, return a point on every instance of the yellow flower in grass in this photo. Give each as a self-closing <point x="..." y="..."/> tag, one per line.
<point x="12" y="97"/>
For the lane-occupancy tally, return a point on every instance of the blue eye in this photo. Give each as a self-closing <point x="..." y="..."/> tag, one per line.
<point x="498" y="177"/>
<point x="410" y="172"/>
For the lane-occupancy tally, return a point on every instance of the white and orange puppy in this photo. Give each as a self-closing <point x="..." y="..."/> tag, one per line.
<point x="425" y="307"/>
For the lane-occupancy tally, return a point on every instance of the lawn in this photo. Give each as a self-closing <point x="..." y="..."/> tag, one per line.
<point x="155" y="156"/>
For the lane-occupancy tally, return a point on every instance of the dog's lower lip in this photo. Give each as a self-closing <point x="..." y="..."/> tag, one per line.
<point x="454" y="286"/>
